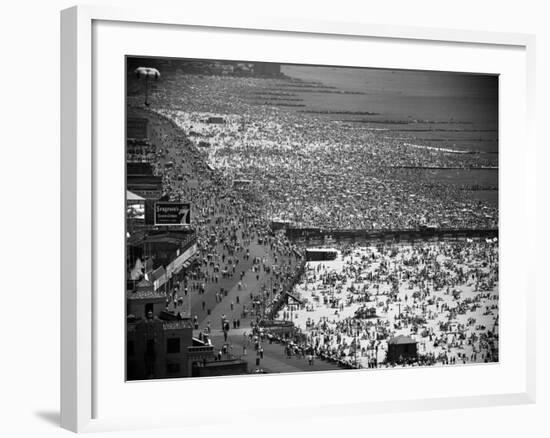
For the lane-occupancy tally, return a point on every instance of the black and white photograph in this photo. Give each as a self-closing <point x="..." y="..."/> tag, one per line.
<point x="301" y="218"/>
<point x="285" y="218"/>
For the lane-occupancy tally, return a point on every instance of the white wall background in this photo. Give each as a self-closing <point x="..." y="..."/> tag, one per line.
<point x="29" y="219"/>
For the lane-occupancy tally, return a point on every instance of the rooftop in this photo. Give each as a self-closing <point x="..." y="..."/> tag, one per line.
<point x="223" y="362"/>
<point x="158" y="273"/>
<point x="401" y="339"/>
<point x="166" y="325"/>
<point x="141" y="294"/>
<point x="175" y="237"/>
<point x="175" y="325"/>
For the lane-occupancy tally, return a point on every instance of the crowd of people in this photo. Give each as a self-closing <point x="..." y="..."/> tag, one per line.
<point x="317" y="172"/>
<point x="242" y="166"/>
<point x="444" y="295"/>
<point x="232" y="236"/>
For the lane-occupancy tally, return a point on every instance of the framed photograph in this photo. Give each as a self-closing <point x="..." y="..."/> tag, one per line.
<point x="335" y="216"/>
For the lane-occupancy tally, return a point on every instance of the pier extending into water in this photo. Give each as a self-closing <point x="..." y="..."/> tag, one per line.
<point x="315" y="235"/>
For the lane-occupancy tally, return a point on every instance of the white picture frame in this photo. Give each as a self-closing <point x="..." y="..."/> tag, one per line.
<point x="83" y="369"/>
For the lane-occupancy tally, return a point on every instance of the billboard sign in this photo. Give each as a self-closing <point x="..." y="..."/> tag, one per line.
<point x="172" y="213"/>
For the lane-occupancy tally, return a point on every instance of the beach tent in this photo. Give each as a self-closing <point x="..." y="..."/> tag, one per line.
<point x="401" y="348"/>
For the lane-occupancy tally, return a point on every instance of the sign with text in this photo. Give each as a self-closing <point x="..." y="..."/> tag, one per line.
<point x="172" y="213"/>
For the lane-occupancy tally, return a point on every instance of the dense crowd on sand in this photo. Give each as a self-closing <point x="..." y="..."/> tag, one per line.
<point x="303" y="175"/>
<point x="443" y="295"/>
<point x="381" y="146"/>
<point x="316" y="172"/>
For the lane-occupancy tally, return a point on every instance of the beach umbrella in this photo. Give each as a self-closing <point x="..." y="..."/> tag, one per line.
<point x="148" y="73"/>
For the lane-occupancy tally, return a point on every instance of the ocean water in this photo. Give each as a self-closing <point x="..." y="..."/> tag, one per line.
<point x="406" y="95"/>
<point x="449" y="109"/>
<point x="455" y="111"/>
